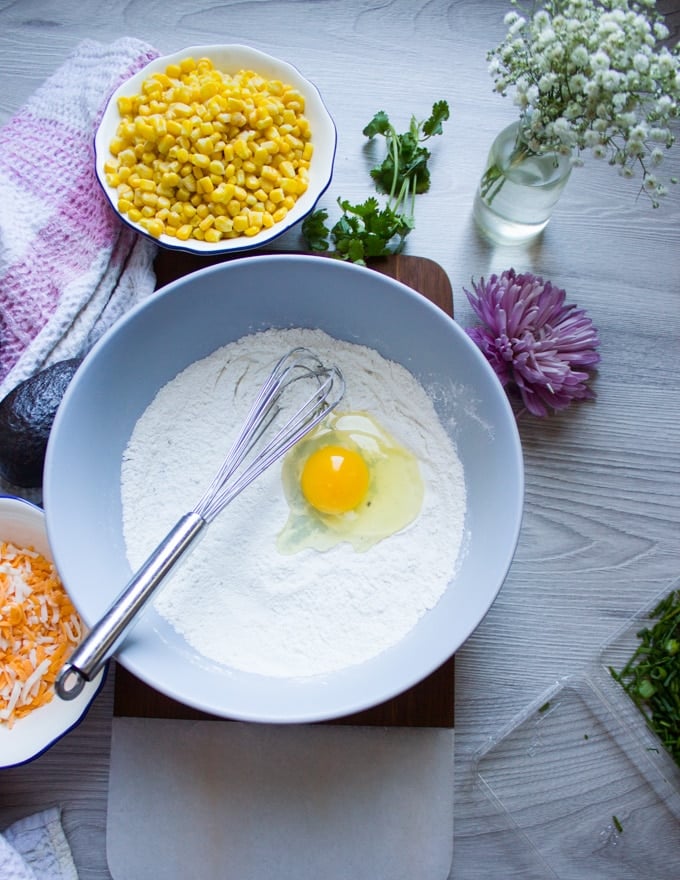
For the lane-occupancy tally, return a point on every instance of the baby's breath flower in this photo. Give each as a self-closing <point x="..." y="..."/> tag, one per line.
<point x="600" y="60"/>
<point x="580" y="56"/>
<point x="592" y="75"/>
<point x="610" y="80"/>
<point x="661" y="32"/>
<point x="641" y="62"/>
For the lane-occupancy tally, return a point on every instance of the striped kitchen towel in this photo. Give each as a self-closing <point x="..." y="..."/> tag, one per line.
<point x="68" y="266"/>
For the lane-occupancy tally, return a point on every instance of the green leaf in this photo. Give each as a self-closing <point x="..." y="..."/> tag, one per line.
<point x="440" y="113"/>
<point x="380" y="124"/>
<point x="315" y="231"/>
<point x="367" y="230"/>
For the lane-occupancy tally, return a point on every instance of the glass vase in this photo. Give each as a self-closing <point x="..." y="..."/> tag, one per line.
<point x="519" y="188"/>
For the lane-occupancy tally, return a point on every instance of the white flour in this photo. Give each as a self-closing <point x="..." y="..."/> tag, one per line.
<point x="235" y="598"/>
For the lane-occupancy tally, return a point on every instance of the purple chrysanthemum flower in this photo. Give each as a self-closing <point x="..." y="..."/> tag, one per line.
<point x="533" y="340"/>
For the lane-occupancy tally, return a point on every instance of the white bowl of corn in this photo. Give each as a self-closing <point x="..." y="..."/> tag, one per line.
<point x="215" y="149"/>
<point x="38" y="628"/>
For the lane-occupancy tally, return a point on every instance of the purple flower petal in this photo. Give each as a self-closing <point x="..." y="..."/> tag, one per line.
<point x="533" y="340"/>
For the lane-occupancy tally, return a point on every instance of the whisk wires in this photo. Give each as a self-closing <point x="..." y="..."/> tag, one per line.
<point x="300" y="364"/>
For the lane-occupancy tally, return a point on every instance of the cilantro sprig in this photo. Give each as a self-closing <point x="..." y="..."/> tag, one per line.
<point x="368" y="229"/>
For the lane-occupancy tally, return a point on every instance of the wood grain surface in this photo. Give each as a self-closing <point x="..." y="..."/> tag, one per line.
<point x="602" y="507"/>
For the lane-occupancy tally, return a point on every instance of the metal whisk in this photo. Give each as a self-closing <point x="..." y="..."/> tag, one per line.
<point x="250" y="455"/>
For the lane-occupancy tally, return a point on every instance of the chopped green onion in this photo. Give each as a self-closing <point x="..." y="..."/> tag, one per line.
<point x="651" y="677"/>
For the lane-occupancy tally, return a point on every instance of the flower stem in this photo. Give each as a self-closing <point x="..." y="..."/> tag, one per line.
<point x="494" y="177"/>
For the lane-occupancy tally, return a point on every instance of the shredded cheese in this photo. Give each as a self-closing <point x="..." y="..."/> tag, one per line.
<point x="38" y="627"/>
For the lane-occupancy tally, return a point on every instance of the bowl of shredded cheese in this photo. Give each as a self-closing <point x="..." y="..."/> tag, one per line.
<point x="215" y="149"/>
<point x="309" y="597"/>
<point x="39" y="627"/>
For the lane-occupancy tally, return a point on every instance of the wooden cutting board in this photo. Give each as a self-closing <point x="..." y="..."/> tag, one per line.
<point x="429" y="703"/>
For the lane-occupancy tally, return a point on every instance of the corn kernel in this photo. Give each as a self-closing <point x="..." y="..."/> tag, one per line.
<point x="187" y="65"/>
<point x="166" y="143"/>
<point x="290" y="186"/>
<point x="116" y="145"/>
<point x="154" y="227"/>
<point x="270" y="173"/>
<point x="241" y="149"/>
<point x="224" y="224"/>
<point x="261" y="156"/>
<point x="216" y="167"/>
<point x="286" y="168"/>
<point x="200" y="160"/>
<point x="127" y="157"/>
<point x="180" y="109"/>
<point x="189" y="183"/>
<point x="223" y="192"/>
<point x="205" y="185"/>
<point x="144" y="129"/>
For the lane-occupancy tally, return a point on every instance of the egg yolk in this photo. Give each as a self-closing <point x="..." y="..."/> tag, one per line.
<point x="334" y="480"/>
<point x="348" y="481"/>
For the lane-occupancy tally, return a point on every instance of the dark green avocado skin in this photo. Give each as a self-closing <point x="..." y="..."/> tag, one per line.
<point x="26" y="417"/>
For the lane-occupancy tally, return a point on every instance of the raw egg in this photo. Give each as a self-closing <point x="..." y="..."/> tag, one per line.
<point x="348" y="480"/>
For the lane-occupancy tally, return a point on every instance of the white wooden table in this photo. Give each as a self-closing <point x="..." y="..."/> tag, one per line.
<point x="602" y="516"/>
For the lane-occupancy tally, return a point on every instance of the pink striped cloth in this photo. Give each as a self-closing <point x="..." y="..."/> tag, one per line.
<point x="68" y="266"/>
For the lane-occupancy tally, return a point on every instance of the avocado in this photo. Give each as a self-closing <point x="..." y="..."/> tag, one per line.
<point x="26" y="417"/>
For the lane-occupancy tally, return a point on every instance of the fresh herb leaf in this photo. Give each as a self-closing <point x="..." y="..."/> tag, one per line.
<point x="617" y="824"/>
<point x="315" y="230"/>
<point x="367" y="230"/>
<point x="380" y="124"/>
<point x="439" y="115"/>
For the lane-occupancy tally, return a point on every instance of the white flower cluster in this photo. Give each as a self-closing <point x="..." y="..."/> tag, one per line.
<point x="591" y="75"/>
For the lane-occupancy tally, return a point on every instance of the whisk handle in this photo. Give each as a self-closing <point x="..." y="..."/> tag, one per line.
<point x="89" y="657"/>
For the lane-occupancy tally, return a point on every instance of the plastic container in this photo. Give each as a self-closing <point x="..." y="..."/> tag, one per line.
<point x="584" y="780"/>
